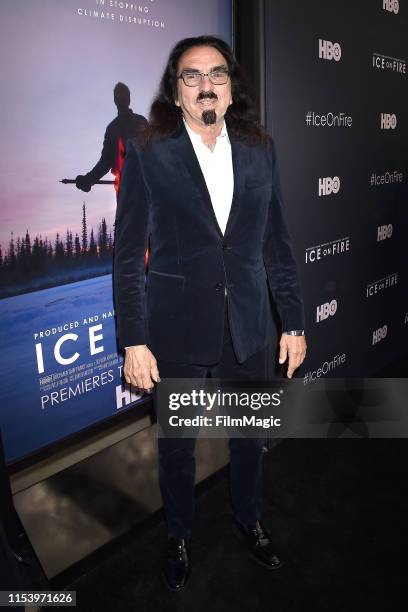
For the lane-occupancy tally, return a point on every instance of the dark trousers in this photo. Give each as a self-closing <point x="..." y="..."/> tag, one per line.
<point x="177" y="455"/>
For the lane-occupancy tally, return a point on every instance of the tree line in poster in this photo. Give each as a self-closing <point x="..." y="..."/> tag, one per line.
<point x="32" y="264"/>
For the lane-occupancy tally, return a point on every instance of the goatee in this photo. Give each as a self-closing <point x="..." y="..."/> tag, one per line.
<point x="209" y="117"/>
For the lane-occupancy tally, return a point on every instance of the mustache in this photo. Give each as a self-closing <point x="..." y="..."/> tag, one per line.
<point x="206" y="94"/>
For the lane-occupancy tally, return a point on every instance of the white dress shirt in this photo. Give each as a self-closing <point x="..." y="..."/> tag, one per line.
<point x="216" y="166"/>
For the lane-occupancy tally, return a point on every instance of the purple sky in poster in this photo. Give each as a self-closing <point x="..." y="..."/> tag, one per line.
<point x="57" y="97"/>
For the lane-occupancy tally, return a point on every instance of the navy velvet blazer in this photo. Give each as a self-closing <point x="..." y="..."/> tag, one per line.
<point x="179" y="312"/>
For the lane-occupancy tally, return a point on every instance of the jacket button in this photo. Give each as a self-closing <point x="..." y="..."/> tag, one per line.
<point x="226" y="247"/>
<point x="218" y="286"/>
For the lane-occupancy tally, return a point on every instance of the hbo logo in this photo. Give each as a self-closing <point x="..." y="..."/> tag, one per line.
<point x="384" y="231"/>
<point x="388" y="122"/>
<point x="328" y="185"/>
<point x="392" y="6"/>
<point x="329" y="50"/>
<point x="326" y="310"/>
<point x="380" y="334"/>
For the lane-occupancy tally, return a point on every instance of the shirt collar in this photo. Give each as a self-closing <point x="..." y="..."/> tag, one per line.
<point x="193" y="135"/>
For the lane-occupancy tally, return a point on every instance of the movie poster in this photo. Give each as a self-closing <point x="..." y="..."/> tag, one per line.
<point x="61" y="153"/>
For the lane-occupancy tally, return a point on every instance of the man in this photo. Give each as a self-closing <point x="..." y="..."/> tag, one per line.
<point x="203" y="190"/>
<point x="126" y="125"/>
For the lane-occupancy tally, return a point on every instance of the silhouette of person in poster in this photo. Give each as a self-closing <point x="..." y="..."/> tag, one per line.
<point x="126" y="125"/>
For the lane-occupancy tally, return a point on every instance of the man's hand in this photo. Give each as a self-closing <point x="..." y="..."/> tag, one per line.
<point x="295" y="348"/>
<point x="140" y="369"/>
<point x="81" y="182"/>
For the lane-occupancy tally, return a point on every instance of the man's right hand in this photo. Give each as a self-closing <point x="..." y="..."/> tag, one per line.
<point x="140" y="369"/>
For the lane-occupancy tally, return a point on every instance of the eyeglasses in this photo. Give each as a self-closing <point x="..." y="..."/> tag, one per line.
<point x="192" y="79"/>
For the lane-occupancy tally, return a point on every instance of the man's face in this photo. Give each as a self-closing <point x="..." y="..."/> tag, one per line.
<point x="197" y="101"/>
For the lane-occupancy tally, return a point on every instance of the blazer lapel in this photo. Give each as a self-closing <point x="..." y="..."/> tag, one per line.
<point x="238" y="152"/>
<point x="182" y="145"/>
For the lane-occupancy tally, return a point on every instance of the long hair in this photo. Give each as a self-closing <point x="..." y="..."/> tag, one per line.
<point x="241" y="118"/>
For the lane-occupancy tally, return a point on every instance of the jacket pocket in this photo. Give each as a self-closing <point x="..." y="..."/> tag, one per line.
<point x="165" y="274"/>
<point x="250" y="185"/>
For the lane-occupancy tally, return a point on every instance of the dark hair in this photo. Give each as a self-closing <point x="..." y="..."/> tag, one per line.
<point x="121" y="94"/>
<point x="241" y="118"/>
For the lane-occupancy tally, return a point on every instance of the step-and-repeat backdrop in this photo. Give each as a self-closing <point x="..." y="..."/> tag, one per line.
<point x="336" y="89"/>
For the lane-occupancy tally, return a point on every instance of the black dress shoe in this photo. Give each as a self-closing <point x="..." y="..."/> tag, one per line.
<point x="259" y="544"/>
<point x="177" y="565"/>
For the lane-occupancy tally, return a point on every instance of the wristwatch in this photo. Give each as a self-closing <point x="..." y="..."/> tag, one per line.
<point x="295" y="332"/>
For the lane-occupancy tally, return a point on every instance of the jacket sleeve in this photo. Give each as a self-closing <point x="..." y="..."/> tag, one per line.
<point x="131" y="238"/>
<point x="280" y="263"/>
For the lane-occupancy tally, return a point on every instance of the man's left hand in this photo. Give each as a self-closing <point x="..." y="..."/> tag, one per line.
<point x="293" y="347"/>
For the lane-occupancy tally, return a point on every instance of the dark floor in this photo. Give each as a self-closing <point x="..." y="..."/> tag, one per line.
<point x="338" y="511"/>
